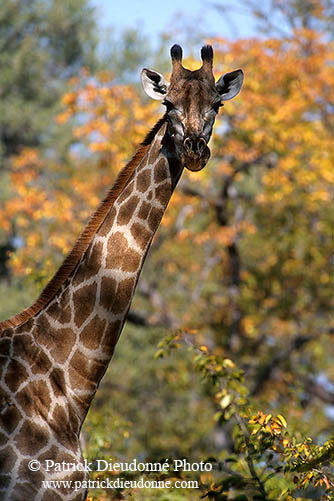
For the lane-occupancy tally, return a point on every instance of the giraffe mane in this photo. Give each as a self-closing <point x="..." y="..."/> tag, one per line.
<point x="86" y="236"/>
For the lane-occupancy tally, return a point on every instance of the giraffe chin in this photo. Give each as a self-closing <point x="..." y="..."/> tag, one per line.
<point x="195" y="163"/>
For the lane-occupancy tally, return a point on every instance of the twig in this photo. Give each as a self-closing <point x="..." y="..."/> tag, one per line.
<point x="249" y="459"/>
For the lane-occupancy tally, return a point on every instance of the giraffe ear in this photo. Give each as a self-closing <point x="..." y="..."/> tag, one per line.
<point x="154" y="84"/>
<point x="229" y="85"/>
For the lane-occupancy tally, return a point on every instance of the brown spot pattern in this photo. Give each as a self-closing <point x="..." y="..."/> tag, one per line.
<point x="90" y="370"/>
<point x="63" y="307"/>
<point x="65" y="315"/>
<point x="25" y="327"/>
<point x="4" y="481"/>
<point x="126" y="211"/>
<point x="41" y="365"/>
<point x="60" y="425"/>
<point x="7" y="459"/>
<point x="7" y="332"/>
<point x="35" y="398"/>
<point x="163" y="193"/>
<point x="123" y="296"/>
<point x="31" y="352"/>
<point x="24" y="490"/>
<point x="144" y="210"/>
<point x="57" y="381"/>
<point x="108" y="291"/>
<point x="120" y="255"/>
<point x="78" y="381"/>
<point x="31" y="438"/>
<point x="64" y="340"/>
<point x="160" y="171"/>
<point x="3" y="439"/>
<point x="141" y="235"/>
<point x="56" y="455"/>
<point x="155" y="218"/>
<point x="25" y="347"/>
<point x="53" y="310"/>
<point x="84" y="303"/>
<point x="91" y="335"/>
<point x="52" y="496"/>
<point x="93" y="262"/>
<point x="81" y="404"/>
<point x="143" y="180"/>
<point x="153" y="153"/>
<point x="10" y="418"/>
<point x="88" y="267"/>
<point x="16" y="375"/>
<point x="126" y="193"/>
<point x="110" y="338"/>
<point x="80" y="275"/>
<point x="35" y="477"/>
<point x="5" y="347"/>
<point x="107" y="223"/>
<point x="60" y="343"/>
<point x="42" y="329"/>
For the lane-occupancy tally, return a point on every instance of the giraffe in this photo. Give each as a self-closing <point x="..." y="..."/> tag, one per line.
<point x="54" y="354"/>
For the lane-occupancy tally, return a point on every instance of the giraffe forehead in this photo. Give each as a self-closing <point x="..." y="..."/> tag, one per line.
<point x="193" y="93"/>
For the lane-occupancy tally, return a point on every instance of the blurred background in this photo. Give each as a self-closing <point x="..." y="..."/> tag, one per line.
<point x="232" y="321"/>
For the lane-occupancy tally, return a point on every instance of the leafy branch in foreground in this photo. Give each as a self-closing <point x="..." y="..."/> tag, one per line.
<point x="266" y="461"/>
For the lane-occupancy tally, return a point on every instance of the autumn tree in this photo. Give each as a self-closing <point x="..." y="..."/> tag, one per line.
<point x="42" y="44"/>
<point x="257" y="225"/>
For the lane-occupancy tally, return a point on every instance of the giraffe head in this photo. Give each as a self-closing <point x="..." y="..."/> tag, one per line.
<point x="192" y="100"/>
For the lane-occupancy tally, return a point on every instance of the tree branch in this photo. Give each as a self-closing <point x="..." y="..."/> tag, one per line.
<point x="265" y="372"/>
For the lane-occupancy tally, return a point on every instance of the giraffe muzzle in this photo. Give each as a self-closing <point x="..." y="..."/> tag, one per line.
<point x="196" y="153"/>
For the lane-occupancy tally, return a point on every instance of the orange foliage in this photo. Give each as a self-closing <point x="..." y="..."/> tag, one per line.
<point x="279" y="127"/>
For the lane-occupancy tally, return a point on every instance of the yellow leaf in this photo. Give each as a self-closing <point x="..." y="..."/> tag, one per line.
<point x="225" y="401"/>
<point x="282" y="420"/>
<point x="228" y="363"/>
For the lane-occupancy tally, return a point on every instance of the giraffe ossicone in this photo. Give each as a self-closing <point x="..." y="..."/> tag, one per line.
<point x="54" y="354"/>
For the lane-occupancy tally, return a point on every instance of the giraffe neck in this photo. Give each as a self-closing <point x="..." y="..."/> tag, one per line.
<point x="86" y="318"/>
<point x="53" y="362"/>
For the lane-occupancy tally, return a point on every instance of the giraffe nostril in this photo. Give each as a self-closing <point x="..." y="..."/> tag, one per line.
<point x="201" y="144"/>
<point x="194" y="145"/>
<point x="188" y="145"/>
